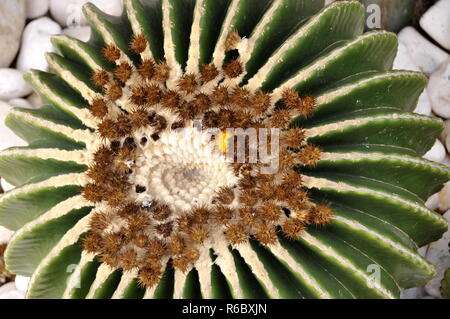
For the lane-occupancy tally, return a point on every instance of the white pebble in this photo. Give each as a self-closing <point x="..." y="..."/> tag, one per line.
<point x="423" y="250"/>
<point x="35" y="100"/>
<point x="12" y="84"/>
<point x="413" y="293"/>
<point x="433" y="202"/>
<point x="6" y="186"/>
<point x="20" y="103"/>
<point x="446" y="160"/>
<point x="446" y="131"/>
<point x="69" y="12"/>
<point x="80" y="33"/>
<point x="12" y="21"/>
<point x="9" y="291"/>
<point x="447" y="143"/>
<point x="436" y="153"/>
<point x="5" y="235"/>
<point x="36" y="8"/>
<point x="22" y="283"/>
<point x="444" y="197"/>
<point x="438" y="255"/>
<point x="403" y="59"/>
<point x="445" y="136"/>
<point x="8" y="138"/>
<point x="423" y="104"/>
<point x="35" y="42"/>
<point x="439" y="90"/>
<point x="425" y="54"/>
<point x="436" y="22"/>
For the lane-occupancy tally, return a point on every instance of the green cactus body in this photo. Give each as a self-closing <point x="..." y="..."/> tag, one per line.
<point x="111" y="203"/>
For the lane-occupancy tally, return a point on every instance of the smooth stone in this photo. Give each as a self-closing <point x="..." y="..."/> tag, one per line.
<point x="446" y="130"/>
<point x="6" y="186"/>
<point x="425" y="54"/>
<point x="12" y="21"/>
<point x="446" y="160"/>
<point x="22" y="283"/>
<point x="80" y="33"/>
<point x="439" y="90"/>
<point x="36" y="8"/>
<point x="20" y="103"/>
<point x="445" y="135"/>
<point x="8" y="138"/>
<point x="403" y="59"/>
<point x="69" y="12"/>
<point x="447" y="143"/>
<point x="436" y="22"/>
<point x="12" y="84"/>
<point x="5" y="235"/>
<point x="413" y="293"/>
<point x="35" y="43"/>
<point x="436" y="153"/>
<point x="439" y="256"/>
<point x="423" y="104"/>
<point x="423" y="250"/>
<point x="35" y="100"/>
<point x="440" y="200"/>
<point x="9" y="291"/>
<point x="444" y="197"/>
<point x="433" y="202"/>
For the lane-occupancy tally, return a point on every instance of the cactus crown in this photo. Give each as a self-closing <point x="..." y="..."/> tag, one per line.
<point x="130" y="188"/>
<point x="163" y="192"/>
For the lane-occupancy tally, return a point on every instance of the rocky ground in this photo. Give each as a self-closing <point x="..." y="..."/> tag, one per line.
<point x="27" y="25"/>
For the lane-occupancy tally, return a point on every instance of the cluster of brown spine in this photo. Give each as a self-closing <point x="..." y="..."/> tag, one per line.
<point x="144" y="236"/>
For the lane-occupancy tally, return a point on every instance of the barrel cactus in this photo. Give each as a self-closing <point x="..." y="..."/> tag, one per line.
<point x="127" y="189"/>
